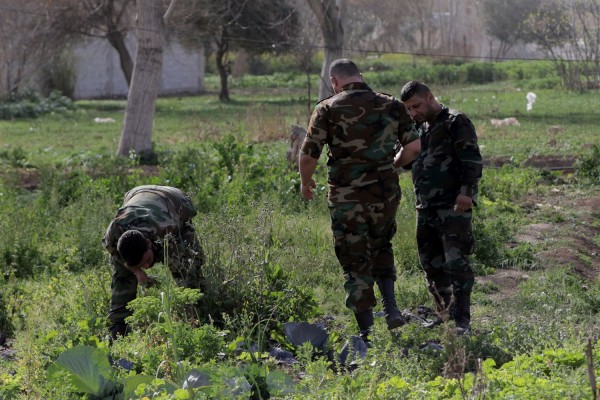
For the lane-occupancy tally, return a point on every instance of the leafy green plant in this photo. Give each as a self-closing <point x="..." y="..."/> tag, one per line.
<point x="88" y="371"/>
<point x="152" y="307"/>
<point x="589" y="165"/>
<point x="32" y="105"/>
<point x="15" y="157"/>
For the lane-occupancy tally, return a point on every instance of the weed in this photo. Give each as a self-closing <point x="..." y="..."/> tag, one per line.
<point x="589" y="165"/>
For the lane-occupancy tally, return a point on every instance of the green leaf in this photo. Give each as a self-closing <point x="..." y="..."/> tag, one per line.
<point x="181" y="394"/>
<point x="89" y="370"/>
<point x="280" y="383"/>
<point x="131" y="384"/>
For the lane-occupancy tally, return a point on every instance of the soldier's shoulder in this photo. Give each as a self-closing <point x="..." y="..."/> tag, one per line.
<point x="325" y="99"/>
<point x="454" y="113"/>
<point x="387" y="94"/>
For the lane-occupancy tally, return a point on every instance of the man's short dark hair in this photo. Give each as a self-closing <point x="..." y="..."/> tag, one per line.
<point x="131" y="246"/>
<point x="343" y="68"/>
<point x="413" y="88"/>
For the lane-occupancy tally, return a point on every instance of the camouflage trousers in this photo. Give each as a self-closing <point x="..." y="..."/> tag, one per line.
<point x="187" y="272"/>
<point x="362" y="235"/>
<point x="445" y="241"/>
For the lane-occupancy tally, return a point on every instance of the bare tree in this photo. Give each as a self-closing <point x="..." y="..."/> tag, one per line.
<point x="569" y="33"/>
<point x="25" y="47"/>
<point x="105" y="19"/>
<point x="504" y="21"/>
<point x="329" y="14"/>
<point x="255" y="26"/>
<point x="143" y="91"/>
<point x="304" y="51"/>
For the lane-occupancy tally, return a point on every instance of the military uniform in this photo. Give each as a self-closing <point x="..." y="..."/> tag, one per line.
<point x="164" y="215"/>
<point x="361" y="128"/>
<point x="449" y="164"/>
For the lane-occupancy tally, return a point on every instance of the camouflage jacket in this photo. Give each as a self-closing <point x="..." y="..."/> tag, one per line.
<point x="159" y="212"/>
<point x="361" y="128"/>
<point x="449" y="163"/>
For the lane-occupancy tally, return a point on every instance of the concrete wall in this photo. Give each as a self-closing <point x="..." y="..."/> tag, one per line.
<point x="99" y="74"/>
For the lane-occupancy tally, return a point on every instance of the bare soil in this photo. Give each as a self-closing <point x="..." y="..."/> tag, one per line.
<point x="569" y="242"/>
<point x="566" y="163"/>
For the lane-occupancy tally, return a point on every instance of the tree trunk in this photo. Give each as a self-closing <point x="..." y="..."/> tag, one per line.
<point x="222" y="47"/>
<point x="117" y="41"/>
<point x="145" y="82"/>
<point x="329" y="14"/>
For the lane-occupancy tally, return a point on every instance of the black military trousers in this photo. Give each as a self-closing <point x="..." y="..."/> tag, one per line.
<point x="445" y="241"/>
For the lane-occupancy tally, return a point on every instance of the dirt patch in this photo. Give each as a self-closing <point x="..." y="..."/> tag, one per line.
<point x="568" y="243"/>
<point x="550" y="162"/>
<point x="30" y="178"/>
<point x="504" y="283"/>
<point x="566" y="163"/>
<point x="497" y="161"/>
<point x="534" y="233"/>
<point x="26" y="178"/>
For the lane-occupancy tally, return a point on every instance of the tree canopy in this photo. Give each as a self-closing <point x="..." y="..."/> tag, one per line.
<point x="256" y="26"/>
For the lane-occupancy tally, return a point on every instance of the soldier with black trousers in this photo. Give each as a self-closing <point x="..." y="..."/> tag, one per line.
<point x="445" y="177"/>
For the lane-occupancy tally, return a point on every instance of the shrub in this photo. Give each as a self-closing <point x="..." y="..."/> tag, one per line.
<point x="589" y="165"/>
<point x="21" y="258"/>
<point x="15" y="157"/>
<point x="32" y="105"/>
<point x="479" y="73"/>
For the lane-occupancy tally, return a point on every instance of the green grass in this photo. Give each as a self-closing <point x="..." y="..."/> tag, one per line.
<point x="270" y="256"/>
<point x="266" y="115"/>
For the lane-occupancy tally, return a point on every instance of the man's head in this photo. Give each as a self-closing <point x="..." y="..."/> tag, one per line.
<point x="342" y="72"/>
<point x="135" y="249"/>
<point x="420" y="102"/>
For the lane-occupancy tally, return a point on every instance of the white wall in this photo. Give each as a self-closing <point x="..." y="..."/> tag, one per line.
<point x="99" y="75"/>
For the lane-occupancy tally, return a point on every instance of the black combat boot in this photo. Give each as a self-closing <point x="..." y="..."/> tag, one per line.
<point x="365" y="323"/>
<point x="444" y="309"/>
<point x="393" y="317"/>
<point x="462" y="313"/>
<point x="118" y="329"/>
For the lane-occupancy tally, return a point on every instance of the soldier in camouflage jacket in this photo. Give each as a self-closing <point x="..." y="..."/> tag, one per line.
<point x="445" y="177"/>
<point x="361" y="128"/>
<point x="153" y="225"/>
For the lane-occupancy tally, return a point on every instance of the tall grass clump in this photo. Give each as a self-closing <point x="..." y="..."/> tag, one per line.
<point x="589" y="165"/>
<point x="251" y="275"/>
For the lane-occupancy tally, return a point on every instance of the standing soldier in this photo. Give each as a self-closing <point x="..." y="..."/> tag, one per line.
<point x="445" y="177"/>
<point x="361" y="128"/>
<point x="152" y="219"/>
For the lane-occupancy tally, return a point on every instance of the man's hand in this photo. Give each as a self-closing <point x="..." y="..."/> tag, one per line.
<point x="307" y="190"/>
<point x="142" y="276"/>
<point x="307" y="167"/>
<point x="463" y="203"/>
<point x="152" y="281"/>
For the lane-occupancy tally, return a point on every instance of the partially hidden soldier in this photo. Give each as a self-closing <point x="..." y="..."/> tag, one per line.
<point x="361" y="128"/>
<point x="151" y="220"/>
<point x="445" y="177"/>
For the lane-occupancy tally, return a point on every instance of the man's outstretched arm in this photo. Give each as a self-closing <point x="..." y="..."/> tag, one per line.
<point x="307" y="168"/>
<point x="407" y="153"/>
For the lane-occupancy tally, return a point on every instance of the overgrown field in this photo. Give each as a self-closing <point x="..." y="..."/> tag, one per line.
<point x="270" y="259"/>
